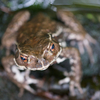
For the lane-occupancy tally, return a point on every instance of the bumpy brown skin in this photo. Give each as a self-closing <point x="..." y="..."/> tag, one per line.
<point x="34" y="39"/>
<point x="34" y="35"/>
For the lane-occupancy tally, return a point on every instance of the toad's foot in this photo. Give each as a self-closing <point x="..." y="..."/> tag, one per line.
<point x="84" y="41"/>
<point x="70" y="78"/>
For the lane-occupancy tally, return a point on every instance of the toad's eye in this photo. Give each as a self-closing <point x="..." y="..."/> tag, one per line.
<point x="52" y="47"/>
<point x="24" y="58"/>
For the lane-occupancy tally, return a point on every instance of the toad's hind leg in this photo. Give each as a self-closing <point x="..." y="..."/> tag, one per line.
<point x="77" y="32"/>
<point x="75" y="75"/>
<point x="9" y="37"/>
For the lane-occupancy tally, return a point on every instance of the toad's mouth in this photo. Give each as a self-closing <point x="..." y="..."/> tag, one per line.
<point x="42" y="64"/>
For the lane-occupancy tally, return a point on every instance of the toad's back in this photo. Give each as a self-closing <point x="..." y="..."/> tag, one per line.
<point x="32" y="36"/>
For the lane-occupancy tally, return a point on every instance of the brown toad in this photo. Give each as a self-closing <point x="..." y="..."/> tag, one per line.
<point x="41" y="42"/>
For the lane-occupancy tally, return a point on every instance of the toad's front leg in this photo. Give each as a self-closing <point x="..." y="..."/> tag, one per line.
<point x="21" y="79"/>
<point x="73" y="77"/>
